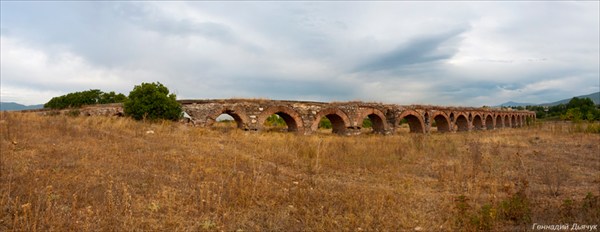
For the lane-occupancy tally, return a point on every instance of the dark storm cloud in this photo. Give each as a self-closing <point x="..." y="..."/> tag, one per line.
<point x="275" y="88"/>
<point x="423" y="49"/>
<point x="147" y="18"/>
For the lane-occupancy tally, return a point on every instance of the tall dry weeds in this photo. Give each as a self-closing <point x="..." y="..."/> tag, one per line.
<point x="97" y="173"/>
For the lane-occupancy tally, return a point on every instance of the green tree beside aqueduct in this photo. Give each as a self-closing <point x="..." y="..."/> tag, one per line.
<point x="152" y="101"/>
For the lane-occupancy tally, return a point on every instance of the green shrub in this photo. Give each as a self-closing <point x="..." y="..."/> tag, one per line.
<point x="88" y="97"/>
<point x="462" y="208"/>
<point x="516" y="208"/>
<point x="275" y="120"/>
<point x="590" y="208"/>
<point x="325" y="123"/>
<point x="152" y="101"/>
<point x="367" y="123"/>
<point x="486" y="218"/>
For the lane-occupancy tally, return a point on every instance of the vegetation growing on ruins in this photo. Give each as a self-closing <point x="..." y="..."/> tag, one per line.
<point x="62" y="173"/>
<point x="152" y="101"/>
<point x="89" y="97"/>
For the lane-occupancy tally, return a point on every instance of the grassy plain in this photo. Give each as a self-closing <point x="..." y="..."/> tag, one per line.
<point x="64" y="173"/>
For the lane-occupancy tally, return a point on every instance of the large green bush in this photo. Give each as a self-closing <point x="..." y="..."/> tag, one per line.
<point x="152" y="101"/>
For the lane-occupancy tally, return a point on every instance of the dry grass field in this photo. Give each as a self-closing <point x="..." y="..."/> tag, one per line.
<point x="61" y="173"/>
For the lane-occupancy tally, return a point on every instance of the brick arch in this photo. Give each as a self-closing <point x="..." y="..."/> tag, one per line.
<point x="499" y="121"/>
<point x="442" y="121"/>
<point x="378" y="119"/>
<point x="507" y="122"/>
<point x="513" y="119"/>
<point x="339" y="120"/>
<point x="415" y="121"/>
<point x="241" y="119"/>
<point x="477" y="121"/>
<point x="462" y="122"/>
<point x="520" y="118"/>
<point x="290" y="116"/>
<point x="489" y="121"/>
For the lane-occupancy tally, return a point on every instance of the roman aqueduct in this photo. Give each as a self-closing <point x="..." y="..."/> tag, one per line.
<point x="346" y="117"/>
<point x="303" y="117"/>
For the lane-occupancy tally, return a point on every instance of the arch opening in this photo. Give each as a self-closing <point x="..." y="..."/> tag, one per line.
<point x="274" y="116"/>
<point x="227" y="120"/>
<point x="489" y="122"/>
<point x="414" y="124"/>
<point x="441" y="123"/>
<point x="462" y="123"/>
<point x="507" y="122"/>
<point x="332" y="123"/>
<point x="477" y="122"/>
<point x="514" y="121"/>
<point x="375" y="122"/>
<point x="521" y="120"/>
<point x="499" y="122"/>
<point x="280" y="121"/>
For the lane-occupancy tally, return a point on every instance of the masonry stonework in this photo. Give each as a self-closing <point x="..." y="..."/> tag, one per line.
<point x="346" y="117"/>
<point x="303" y="117"/>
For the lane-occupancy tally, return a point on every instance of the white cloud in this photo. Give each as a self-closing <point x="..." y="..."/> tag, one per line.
<point x="37" y="74"/>
<point x="400" y="52"/>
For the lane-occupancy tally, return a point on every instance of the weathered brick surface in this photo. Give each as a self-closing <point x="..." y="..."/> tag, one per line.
<point x="346" y="117"/>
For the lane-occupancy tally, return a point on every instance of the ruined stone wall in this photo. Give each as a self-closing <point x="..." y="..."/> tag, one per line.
<point x="347" y="117"/>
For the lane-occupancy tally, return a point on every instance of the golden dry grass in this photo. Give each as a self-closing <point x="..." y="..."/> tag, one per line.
<point x="65" y="173"/>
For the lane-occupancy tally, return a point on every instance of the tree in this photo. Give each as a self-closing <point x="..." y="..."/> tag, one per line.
<point x="580" y="108"/>
<point x="111" y="97"/>
<point x="573" y="114"/>
<point x="152" y="101"/>
<point x="88" y="97"/>
<point x="580" y="103"/>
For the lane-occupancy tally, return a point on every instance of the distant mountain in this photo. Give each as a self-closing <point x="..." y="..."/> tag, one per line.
<point x="8" y="106"/>
<point x="594" y="96"/>
<point x="512" y="103"/>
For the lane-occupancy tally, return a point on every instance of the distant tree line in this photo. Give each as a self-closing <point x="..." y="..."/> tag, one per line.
<point x="576" y="110"/>
<point x="147" y="101"/>
<point x="89" y="97"/>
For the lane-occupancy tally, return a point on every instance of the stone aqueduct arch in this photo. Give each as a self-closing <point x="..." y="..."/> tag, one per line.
<point x="346" y="117"/>
<point x="290" y="116"/>
<point x="339" y="120"/>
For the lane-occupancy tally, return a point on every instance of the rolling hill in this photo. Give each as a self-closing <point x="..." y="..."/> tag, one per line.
<point x="10" y="106"/>
<point x="594" y="96"/>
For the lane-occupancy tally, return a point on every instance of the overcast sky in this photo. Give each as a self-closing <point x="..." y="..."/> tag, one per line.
<point x="440" y="53"/>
